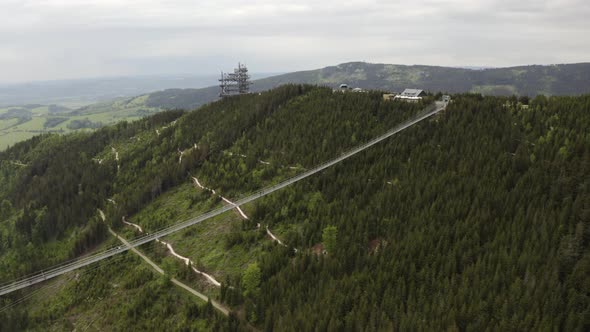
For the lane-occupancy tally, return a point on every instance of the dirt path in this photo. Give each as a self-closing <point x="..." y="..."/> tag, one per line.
<point x="102" y="216"/>
<point x="262" y="161"/>
<point x="182" y="152"/>
<point x="133" y="225"/>
<point x="158" y="269"/>
<point x="18" y="163"/>
<point x="241" y="212"/>
<point x="190" y="263"/>
<point x="203" y="297"/>
<point x="186" y="260"/>
<point x="115" y="152"/>
<point x="116" y="156"/>
<point x="276" y="239"/>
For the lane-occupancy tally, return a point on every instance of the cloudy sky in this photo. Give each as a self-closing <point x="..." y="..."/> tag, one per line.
<point x="54" y="39"/>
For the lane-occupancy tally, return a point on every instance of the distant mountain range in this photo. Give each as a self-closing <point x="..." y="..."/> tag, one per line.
<point x="563" y="79"/>
<point x="189" y="92"/>
<point x="79" y="92"/>
<point x="567" y="79"/>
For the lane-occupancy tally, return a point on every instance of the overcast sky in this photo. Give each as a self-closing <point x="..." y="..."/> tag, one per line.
<point x="54" y="39"/>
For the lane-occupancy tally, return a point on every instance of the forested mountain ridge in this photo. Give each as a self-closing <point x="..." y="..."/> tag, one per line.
<point x="561" y="79"/>
<point x="475" y="219"/>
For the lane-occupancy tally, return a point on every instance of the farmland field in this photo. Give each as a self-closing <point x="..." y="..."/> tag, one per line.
<point x="19" y="123"/>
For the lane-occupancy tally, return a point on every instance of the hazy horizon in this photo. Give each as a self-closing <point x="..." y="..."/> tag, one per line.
<point x="255" y="75"/>
<point x="84" y="91"/>
<point x="69" y="39"/>
<point x="169" y="76"/>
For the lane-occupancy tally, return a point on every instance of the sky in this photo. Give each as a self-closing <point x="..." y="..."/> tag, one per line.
<point x="58" y="39"/>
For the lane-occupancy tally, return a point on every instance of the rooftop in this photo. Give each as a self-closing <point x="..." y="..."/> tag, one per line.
<point x="412" y="93"/>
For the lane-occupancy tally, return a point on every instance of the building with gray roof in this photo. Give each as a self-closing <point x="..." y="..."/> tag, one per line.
<point x="411" y="95"/>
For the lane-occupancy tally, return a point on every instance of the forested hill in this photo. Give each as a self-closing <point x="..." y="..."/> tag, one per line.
<point x="563" y="79"/>
<point x="19" y="123"/>
<point x="478" y="218"/>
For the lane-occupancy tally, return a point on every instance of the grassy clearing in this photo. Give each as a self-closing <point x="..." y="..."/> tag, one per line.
<point x="41" y="110"/>
<point x="13" y="137"/>
<point x="205" y="243"/>
<point x="98" y="298"/>
<point x="495" y="89"/>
